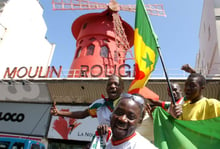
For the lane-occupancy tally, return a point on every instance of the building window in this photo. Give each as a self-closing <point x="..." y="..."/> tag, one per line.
<point x="116" y="55"/>
<point x="104" y="51"/>
<point x="84" y="25"/>
<point x="92" y="39"/>
<point x="105" y="41"/>
<point x="81" y="41"/>
<point x="90" y="49"/>
<point x="78" y="52"/>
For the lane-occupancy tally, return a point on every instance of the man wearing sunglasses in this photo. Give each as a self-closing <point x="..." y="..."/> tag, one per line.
<point x="126" y="117"/>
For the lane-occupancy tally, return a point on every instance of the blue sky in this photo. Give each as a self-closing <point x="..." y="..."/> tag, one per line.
<point x="178" y="33"/>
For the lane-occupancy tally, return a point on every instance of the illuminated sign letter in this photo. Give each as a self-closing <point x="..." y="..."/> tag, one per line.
<point x="83" y="70"/>
<point x="46" y="74"/>
<point x="127" y="74"/>
<point x="55" y="71"/>
<point x="24" y="72"/>
<point x="95" y="70"/>
<point x="36" y="71"/>
<point x="108" y="71"/>
<point x="10" y="74"/>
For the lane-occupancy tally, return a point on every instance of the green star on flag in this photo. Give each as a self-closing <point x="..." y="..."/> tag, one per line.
<point x="147" y="60"/>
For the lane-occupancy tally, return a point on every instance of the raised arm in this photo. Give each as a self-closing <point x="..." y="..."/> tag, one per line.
<point x="155" y="102"/>
<point x="188" y="69"/>
<point x="75" y="114"/>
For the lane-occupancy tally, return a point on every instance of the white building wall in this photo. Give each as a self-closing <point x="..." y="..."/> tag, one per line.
<point x="22" y="36"/>
<point x="217" y="14"/>
<point x="208" y="59"/>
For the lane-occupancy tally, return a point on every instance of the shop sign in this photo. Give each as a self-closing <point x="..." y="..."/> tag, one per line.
<point x="24" y="118"/>
<point x="72" y="129"/>
<point x="85" y="71"/>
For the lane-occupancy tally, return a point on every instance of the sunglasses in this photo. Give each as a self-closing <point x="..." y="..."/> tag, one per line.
<point x="136" y="98"/>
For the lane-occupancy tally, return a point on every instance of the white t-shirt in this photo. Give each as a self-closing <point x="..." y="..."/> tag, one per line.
<point x="136" y="142"/>
<point x="101" y="110"/>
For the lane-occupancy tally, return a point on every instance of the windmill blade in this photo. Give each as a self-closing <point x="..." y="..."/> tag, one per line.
<point x="77" y="5"/>
<point x="152" y="9"/>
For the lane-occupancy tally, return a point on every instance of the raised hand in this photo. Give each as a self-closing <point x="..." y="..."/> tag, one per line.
<point x="53" y="109"/>
<point x="188" y="69"/>
<point x="175" y="110"/>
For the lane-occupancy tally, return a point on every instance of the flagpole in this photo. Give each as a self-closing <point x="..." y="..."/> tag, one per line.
<point x="168" y="81"/>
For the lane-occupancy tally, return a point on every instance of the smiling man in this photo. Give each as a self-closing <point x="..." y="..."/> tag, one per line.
<point x="126" y="117"/>
<point x="101" y="108"/>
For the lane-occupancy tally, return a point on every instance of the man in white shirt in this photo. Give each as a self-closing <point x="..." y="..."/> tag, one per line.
<point x="126" y="117"/>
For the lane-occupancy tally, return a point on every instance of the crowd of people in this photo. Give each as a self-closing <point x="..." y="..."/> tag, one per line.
<point x="120" y="114"/>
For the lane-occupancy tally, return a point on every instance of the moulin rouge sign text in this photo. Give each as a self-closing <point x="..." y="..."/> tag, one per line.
<point x="52" y="72"/>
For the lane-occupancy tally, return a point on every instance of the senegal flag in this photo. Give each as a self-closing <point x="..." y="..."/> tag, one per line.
<point x="170" y="133"/>
<point x="145" y="48"/>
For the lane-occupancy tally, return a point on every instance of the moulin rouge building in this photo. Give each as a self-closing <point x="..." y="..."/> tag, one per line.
<point x="30" y="84"/>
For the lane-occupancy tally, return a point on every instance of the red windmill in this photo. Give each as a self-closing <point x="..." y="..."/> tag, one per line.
<point x="103" y="40"/>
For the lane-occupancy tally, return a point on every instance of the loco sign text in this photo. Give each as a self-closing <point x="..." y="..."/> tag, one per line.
<point x="14" y="117"/>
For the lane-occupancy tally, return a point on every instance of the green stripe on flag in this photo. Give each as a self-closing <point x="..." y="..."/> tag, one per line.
<point x="145" y="29"/>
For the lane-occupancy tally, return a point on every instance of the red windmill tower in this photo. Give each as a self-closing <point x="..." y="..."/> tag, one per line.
<point x="103" y="40"/>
